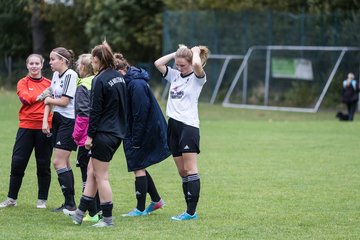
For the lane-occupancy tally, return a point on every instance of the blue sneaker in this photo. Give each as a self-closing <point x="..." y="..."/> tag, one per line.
<point x="185" y="216"/>
<point x="154" y="206"/>
<point x="134" y="213"/>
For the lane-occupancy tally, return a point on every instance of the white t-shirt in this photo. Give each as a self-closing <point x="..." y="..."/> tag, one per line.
<point x="65" y="85"/>
<point x="183" y="97"/>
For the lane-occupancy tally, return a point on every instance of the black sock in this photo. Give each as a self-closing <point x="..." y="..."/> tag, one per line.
<point x="86" y="203"/>
<point x="65" y="178"/>
<point x="193" y="193"/>
<point x="185" y="188"/>
<point x="83" y="175"/>
<point x="140" y="192"/>
<point x="107" y="209"/>
<point x="72" y="188"/>
<point x="95" y="206"/>
<point x="155" y="197"/>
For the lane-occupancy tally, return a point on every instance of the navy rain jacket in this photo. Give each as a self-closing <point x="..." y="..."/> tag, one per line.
<point x="145" y="143"/>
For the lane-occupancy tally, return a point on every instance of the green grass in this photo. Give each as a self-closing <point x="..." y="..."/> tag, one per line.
<point x="264" y="175"/>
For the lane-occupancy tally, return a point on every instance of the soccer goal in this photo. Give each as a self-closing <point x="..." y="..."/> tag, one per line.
<point x="289" y="78"/>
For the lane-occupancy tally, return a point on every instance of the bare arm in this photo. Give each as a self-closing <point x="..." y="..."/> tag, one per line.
<point x="62" y="102"/>
<point x="160" y="64"/>
<point x="45" y="126"/>
<point x="196" y="62"/>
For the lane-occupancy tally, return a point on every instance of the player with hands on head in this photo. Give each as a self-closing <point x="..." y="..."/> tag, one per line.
<point x="186" y="82"/>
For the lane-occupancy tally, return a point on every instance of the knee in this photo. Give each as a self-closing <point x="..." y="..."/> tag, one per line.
<point x="17" y="167"/>
<point x="43" y="170"/>
<point x="100" y="176"/>
<point x="182" y="172"/>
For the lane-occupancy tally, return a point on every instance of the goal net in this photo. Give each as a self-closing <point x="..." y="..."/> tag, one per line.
<point x="289" y="78"/>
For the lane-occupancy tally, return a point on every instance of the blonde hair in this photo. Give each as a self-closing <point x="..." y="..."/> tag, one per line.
<point x="35" y="55"/>
<point x="184" y="52"/>
<point x="85" y="60"/>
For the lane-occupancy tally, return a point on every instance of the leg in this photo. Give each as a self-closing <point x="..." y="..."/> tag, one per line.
<point x="87" y="200"/>
<point x="155" y="197"/>
<point x="352" y="110"/>
<point x="24" y="144"/>
<point x="83" y="162"/>
<point x="43" y="152"/>
<point x="179" y="162"/>
<point x="101" y="173"/>
<point x="156" y="201"/>
<point x="65" y="175"/>
<point x="193" y="193"/>
<point x="140" y="189"/>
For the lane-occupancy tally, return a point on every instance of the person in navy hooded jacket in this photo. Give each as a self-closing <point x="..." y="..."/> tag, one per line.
<point x="145" y="143"/>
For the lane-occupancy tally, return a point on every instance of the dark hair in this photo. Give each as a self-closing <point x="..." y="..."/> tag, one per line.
<point x="105" y="55"/>
<point x="120" y="62"/>
<point x="67" y="55"/>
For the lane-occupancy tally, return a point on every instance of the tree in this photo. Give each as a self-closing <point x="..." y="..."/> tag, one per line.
<point x="15" y="33"/>
<point x="37" y="28"/>
<point x="130" y="26"/>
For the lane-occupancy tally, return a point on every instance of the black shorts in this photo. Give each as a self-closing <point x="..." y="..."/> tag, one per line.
<point x="62" y="129"/>
<point x="182" y="138"/>
<point x="83" y="157"/>
<point x="104" y="146"/>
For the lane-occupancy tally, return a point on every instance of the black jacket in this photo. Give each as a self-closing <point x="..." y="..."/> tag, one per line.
<point x="350" y="93"/>
<point x="108" y="99"/>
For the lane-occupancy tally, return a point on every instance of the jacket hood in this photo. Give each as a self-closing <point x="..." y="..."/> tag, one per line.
<point x="135" y="73"/>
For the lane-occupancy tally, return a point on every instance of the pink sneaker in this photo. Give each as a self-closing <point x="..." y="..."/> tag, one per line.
<point x="154" y="206"/>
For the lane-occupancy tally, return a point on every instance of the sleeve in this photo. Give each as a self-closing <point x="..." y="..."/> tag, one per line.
<point x="82" y="102"/>
<point x="81" y="125"/>
<point x="70" y="85"/>
<point x="96" y="108"/>
<point x="201" y="80"/>
<point x="170" y="74"/>
<point x="24" y="94"/>
<point x="140" y="105"/>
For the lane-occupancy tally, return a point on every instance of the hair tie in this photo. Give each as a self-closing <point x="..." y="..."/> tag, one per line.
<point x="61" y="56"/>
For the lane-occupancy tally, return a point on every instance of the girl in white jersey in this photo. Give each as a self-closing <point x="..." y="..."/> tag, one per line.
<point x="63" y="87"/>
<point x="186" y="83"/>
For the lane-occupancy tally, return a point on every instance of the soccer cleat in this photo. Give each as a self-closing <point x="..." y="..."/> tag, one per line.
<point x="62" y="207"/>
<point x="9" y="202"/>
<point x="68" y="212"/>
<point x="75" y="218"/>
<point x="185" y="216"/>
<point x="134" y="213"/>
<point x="41" y="203"/>
<point x="101" y="223"/>
<point x="154" y="206"/>
<point x="96" y="218"/>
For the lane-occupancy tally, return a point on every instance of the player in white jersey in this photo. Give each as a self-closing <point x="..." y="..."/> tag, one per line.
<point x="186" y="82"/>
<point x="63" y="87"/>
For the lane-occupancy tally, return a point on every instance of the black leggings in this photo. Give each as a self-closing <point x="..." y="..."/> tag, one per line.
<point x="26" y="141"/>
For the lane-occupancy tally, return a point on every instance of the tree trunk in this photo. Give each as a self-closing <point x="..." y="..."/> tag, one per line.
<point x="37" y="28"/>
<point x="8" y="65"/>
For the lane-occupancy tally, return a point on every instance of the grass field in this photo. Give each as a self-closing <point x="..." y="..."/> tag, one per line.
<point x="264" y="175"/>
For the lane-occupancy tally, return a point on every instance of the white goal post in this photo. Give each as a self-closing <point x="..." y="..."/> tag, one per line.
<point x="269" y="50"/>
